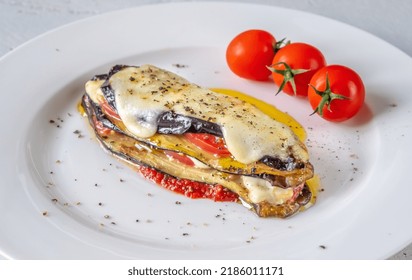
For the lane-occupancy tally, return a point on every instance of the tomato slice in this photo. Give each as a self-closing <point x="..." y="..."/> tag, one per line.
<point x="180" y="158"/>
<point x="209" y="143"/>
<point x="101" y="129"/>
<point x="108" y="110"/>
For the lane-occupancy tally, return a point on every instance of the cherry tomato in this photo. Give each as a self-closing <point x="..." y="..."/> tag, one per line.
<point x="180" y="158"/>
<point x="294" y="65"/>
<point x="336" y="93"/>
<point x="250" y="52"/>
<point x="208" y="143"/>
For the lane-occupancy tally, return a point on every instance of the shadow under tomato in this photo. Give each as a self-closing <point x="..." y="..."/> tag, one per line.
<point x="363" y="117"/>
<point x="376" y="103"/>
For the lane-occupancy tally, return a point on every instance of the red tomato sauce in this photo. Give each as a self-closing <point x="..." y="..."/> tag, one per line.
<point x="189" y="188"/>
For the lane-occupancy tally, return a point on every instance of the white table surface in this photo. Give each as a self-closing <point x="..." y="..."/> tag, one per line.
<point x="388" y="19"/>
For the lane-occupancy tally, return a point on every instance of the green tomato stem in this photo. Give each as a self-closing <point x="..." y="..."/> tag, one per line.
<point x="327" y="97"/>
<point x="288" y="75"/>
<point x="280" y="44"/>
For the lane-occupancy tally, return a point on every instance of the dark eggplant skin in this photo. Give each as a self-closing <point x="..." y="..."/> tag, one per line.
<point x="107" y="90"/>
<point x="99" y="114"/>
<point x="171" y="123"/>
<point x="109" y="94"/>
<point x="100" y="77"/>
<point x="286" y="165"/>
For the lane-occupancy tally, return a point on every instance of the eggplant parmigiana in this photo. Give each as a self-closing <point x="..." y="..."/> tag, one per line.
<point x="152" y="118"/>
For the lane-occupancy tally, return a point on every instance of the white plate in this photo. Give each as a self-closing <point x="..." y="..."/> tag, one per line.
<point x="364" y="212"/>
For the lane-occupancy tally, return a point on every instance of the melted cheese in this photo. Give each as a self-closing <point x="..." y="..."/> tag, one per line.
<point x="143" y="93"/>
<point x="268" y="109"/>
<point x="93" y="89"/>
<point x="261" y="190"/>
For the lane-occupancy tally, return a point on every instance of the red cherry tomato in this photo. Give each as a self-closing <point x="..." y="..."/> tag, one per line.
<point x="250" y="52"/>
<point x="336" y="93"/>
<point x="208" y="143"/>
<point x="294" y="65"/>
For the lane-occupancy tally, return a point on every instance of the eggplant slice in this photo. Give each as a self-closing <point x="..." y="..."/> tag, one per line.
<point x="271" y="186"/>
